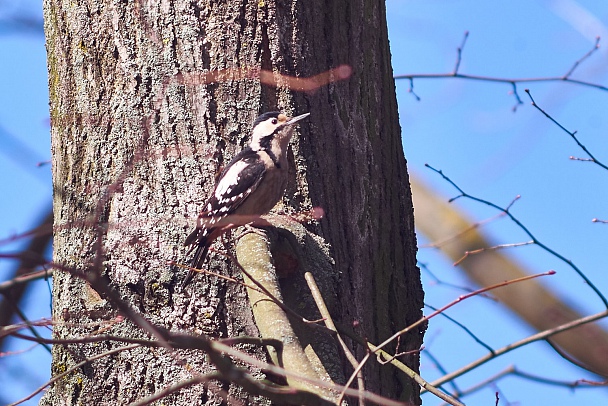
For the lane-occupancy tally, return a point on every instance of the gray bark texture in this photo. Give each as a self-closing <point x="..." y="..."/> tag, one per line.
<point x="141" y="124"/>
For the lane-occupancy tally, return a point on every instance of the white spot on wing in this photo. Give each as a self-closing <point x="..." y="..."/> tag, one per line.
<point x="229" y="180"/>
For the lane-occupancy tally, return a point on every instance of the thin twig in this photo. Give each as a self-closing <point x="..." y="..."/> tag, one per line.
<point x="409" y="372"/>
<point x="388" y="358"/>
<point x="219" y="354"/>
<point x="570" y="133"/>
<point x="525" y="230"/>
<point x="411" y="89"/>
<point x="329" y="323"/>
<point x="443" y="371"/>
<point x="587" y="55"/>
<point x="163" y="393"/>
<point x="25" y="279"/>
<point x="460" y="299"/>
<point x="513" y="82"/>
<point x="474" y="226"/>
<point x="459" y="53"/>
<point x="424" y="319"/>
<point x="451" y="285"/>
<point x="513" y="371"/>
<point x="273" y="298"/>
<point x="516" y="95"/>
<point x="508" y="348"/>
<point x="27" y="323"/>
<point x="283" y="372"/>
<point x="356" y="374"/>
<point x="75" y="367"/>
<point x="509" y="81"/>
<point x="462" y="326"/>
<point x="492" y="248"/>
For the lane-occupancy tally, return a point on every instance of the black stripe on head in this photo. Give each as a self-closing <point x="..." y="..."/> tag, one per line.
<point x="266" y="116"/>
<point x="273" y="157"/>
<point x="266" y="141"/>
<point x="265" y="146"/>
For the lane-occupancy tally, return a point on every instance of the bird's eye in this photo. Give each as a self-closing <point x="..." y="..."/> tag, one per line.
<point x="274" y="121"/>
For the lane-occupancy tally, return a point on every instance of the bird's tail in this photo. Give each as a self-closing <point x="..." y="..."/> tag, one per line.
<point x="200" y="254"/>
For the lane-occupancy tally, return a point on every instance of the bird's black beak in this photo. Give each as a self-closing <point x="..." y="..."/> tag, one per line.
<point x="297" y="118"/>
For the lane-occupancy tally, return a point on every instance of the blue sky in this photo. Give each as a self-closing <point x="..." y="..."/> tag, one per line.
<point x="467" y="129"/>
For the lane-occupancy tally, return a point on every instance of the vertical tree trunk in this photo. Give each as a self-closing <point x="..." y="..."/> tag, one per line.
<point x="357" y="171"/>
<point x="140" y="128"/>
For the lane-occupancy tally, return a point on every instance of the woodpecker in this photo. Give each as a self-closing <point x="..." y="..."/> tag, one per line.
<point x="250" y="185"/>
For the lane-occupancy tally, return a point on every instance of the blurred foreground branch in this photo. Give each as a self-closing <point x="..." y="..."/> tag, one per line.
<point x="534" y="303"/>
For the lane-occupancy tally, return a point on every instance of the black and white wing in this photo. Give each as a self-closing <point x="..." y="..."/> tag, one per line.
<point x="236" y="182"/>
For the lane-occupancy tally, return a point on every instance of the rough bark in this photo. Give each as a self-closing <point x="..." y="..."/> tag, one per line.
<point x="138" y="135"/>
<point x="356" y="169"/>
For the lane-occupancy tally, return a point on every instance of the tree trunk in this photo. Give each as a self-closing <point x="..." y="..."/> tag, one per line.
<point x="145" y="110"/>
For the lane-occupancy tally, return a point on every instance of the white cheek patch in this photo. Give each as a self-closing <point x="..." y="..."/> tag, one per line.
<point x="229" y="180"/>
<point x="260" y="131"/>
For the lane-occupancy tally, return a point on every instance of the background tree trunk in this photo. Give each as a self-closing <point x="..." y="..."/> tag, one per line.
<point x="138" y="134"/>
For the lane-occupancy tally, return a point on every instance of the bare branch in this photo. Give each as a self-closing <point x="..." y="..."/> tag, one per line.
<point x="460" y="299"/>
<point x="459" y="50"/>
<point x="219" y="354"/>
<point x="441" y="369"/>
<point x="513" y="82"/>
<point x="513" y="371"/>
<point x="74" y="368"/>
<point x="493" y="248"/>
<point x="525" y="230"/>
<point x="508" y="348"/>
<point x="465" y="328"/>
<point x="476" y="225"/>
<point x="176" y="388"/>
<point x="29" y="259"/>
<point x="425" y="385"/>
<point x="24" y="280"/>
<point x="571" y="134"/>
<point x="329" y="323"/>
<point x="587" y="55"/>
<point x="411" y="89"/>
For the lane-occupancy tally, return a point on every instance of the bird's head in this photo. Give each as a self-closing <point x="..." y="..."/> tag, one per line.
<point x="273" y="130"/>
